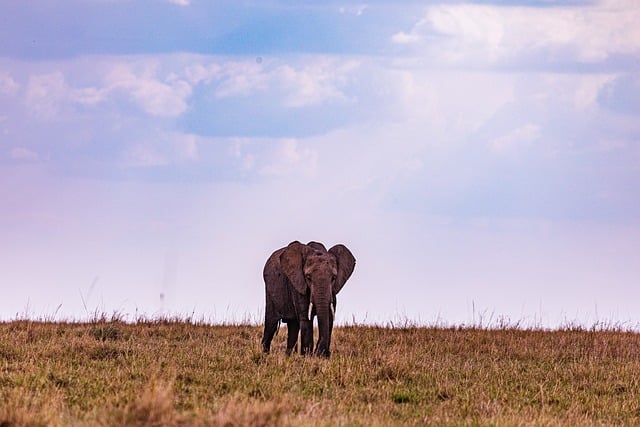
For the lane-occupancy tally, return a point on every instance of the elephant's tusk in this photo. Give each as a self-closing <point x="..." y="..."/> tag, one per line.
<point x="310" y="309"/>
<point x="333" y="311"/>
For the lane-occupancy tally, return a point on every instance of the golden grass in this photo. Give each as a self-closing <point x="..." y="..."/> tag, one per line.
<point x="156" y="373"/>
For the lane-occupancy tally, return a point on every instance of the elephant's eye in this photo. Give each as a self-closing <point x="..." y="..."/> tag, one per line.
<point x="307" y="277"/>
<point x="333" y="278"/>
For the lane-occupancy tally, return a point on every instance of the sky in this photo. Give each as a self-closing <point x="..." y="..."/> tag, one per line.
<point x="481" y="159"/>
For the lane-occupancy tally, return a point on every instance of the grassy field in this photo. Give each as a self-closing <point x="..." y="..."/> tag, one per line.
<point x="178" y="373"/>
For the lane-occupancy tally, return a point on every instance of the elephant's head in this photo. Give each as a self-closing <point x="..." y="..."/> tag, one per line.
<point x="318" y="275"/>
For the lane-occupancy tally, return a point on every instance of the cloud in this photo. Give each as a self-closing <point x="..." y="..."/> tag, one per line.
<point x="165" y="98"/>
<point x="124" y="116"/>
<point x="313" y="82"/>
<point x="577" y="91"/>
<point x="506" y="34"/>
<point x="49" y="94"/>
<point x="523" y="135"/>
<point x="203" y="73"/>
<point x="435" y="132"/>
<point x="158" y="148"/>
<point x="405" y="38"/>
<point x="180" y="2"/>
<point x="241" y="79"/>
<point x="355" y="10"/>
<point x="8" y="86"/>
<point x="453" y="102"/>
<point x="289" y="159"/>
<point x="46" y="93"/>
<point x="622" y="94"/>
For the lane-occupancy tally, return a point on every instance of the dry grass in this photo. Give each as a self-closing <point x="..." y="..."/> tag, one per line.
<point x="156" y="373"/>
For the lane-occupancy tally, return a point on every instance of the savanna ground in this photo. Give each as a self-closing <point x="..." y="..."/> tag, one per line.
<point x="108" y="372"/>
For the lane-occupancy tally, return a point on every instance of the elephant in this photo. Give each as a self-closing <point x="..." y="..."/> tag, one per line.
<point x="302" y="281"/>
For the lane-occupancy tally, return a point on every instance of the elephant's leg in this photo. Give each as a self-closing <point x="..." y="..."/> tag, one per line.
<point x="293" y="328"/>
<point x="270" y="327"/>
<point x="323" y="347"/>
<point x="306" y="337"/>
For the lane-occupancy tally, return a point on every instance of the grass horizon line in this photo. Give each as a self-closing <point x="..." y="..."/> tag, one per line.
<point x="479" y="323"/>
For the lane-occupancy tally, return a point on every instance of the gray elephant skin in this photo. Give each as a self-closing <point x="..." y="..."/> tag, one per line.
<point x="302" y="281"/>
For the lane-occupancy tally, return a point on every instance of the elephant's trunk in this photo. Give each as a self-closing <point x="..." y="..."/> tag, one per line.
<point x="325" y="326"/>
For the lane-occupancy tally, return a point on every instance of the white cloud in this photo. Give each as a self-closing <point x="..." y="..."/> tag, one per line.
<point x="89" y="95"/>
<point x="355" y="10"/>
<point x="8" y="86"/>
<point x="313" y="85"/>
<point x="180" y="2"/>
<point x="588" y="34"/>
<point x="46" y="93"/>
<point x="166" y="98"/>
<point x="50" y="95"/>
<point x="162" y="89"/>
<point x="317" y="81"/>
<point x="581" y="91"/>
<point x="237" y="149"/>
<point x="289" y="158"/>
<point x="242" y="79"/>
<point x="622" y="94"/>
<point x="163" y="149"/>
<point x="199" y="73"/>
<point x="450" y="101"/>
<point x="405" y="38"/>
<point x="523" y="135"/>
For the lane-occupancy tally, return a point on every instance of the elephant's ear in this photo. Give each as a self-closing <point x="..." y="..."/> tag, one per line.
<point x="292" y="261"/>
<point x="346" y="263"/>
